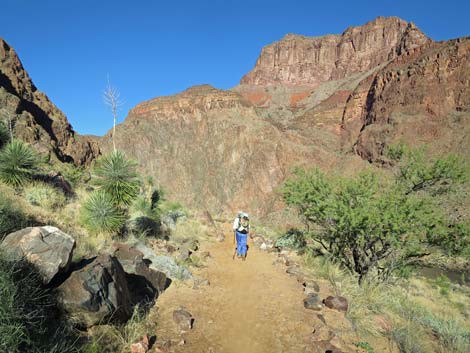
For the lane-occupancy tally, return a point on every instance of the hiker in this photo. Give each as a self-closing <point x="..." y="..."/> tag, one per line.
<point x="241" y="228"/>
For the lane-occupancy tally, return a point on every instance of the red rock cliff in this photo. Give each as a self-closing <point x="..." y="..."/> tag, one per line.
<point x="300" y="60"/>
<point x="37" y="120"/>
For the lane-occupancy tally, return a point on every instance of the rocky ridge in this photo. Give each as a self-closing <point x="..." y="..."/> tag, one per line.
<point x="36" y="119"/>
<point x="301" y="60"/>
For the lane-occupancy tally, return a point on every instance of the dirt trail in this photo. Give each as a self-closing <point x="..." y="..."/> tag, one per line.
<point x="251" y="306"/>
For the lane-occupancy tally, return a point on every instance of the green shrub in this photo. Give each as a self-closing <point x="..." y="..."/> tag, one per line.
<point x="18" y="163"/>
<point x="364" y="223"/>
<point x="417" y="171"/>
<point x="12" y="218"/>
<point x="117" y="176"/>
<point x="100" y="214"/>
<point x="73" y="174"/>
<point x="293" y="239"/>
<point x="44" y="195"/>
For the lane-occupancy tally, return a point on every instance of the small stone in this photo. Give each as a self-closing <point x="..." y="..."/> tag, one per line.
<point x="200" y="282"/>
<point x="142" y="346"/>
<point x="183" y="319"/>
<point x="313" y="302"/>
<point x="336" y="303"/>
<point x="310" y="286"/>
<point x="182" y="342"/>
<point x="263" y="246"/>
<point x="184" y="253"/>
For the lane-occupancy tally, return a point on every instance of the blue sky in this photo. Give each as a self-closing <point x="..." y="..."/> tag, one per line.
<point x="154" y="48"/>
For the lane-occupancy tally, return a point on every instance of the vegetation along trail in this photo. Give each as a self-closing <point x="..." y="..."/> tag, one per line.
<point x="251" y="306"/>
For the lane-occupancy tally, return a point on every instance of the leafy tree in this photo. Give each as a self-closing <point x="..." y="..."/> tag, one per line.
<point x="18" y="163"/>
<point x="363" y="223"/>
<point x="117" y="176"/>
<point x="100" y="214"/>
<point x="417" y="171"/>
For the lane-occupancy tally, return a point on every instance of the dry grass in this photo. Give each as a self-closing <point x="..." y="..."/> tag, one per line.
<point x="423" y="318"/>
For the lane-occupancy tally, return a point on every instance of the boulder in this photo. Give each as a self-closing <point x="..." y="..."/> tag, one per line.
<point x="336" y="303"/>
<point x="145" y="284"/>
<point x="47" y="248"/>
<point x="183" y="319"/>
<point x="161" y="263"/>
<point x="97" y="293"/>
<point x="313" y="302"/>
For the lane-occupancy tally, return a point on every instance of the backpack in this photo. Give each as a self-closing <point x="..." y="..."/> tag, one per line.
<point x="243" y="225"/>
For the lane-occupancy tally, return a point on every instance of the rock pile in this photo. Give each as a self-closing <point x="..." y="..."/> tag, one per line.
<point x="101" y="289"/>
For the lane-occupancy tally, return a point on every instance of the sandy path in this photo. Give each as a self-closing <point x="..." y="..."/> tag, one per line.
<point x="250" y="306"/>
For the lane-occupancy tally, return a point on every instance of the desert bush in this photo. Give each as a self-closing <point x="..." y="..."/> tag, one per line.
<point x="73" y="174"/>
<point x="18" y="163"/>
<point x="28" y="313"/>
<point x="44" y="195"/>
<point x="418" y="171"/>
<point x="293" y="239"/>
<point x="364" y="222"/>
<point x="100" y="214"/>
<point x="117" y="176"/>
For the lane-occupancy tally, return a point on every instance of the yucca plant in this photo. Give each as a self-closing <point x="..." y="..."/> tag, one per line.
<point x="117" y="176"/>
<point x="100" y="214"/>
<point x="18" y="163"/>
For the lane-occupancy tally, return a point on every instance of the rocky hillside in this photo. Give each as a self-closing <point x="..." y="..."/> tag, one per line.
<point x="210" y="148"/>
<point x="36" y="119"/>
<point x="323" y="101"/>
<point x="421" y="97"/>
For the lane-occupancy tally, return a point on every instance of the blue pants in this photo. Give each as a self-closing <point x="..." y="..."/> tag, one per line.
<point x="241" y="244"/>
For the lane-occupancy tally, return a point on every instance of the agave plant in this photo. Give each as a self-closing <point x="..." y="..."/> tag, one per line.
<point x="18" y="163"/>
<point x="117" y="176"/>
<point x="100" y="214"/>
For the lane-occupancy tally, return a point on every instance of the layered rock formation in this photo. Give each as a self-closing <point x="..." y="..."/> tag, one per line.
<point x="323" y="101"/>
<point x="36" y="119"/>
<point x="211" y="148"/>
<point x="301" y="60"/>
<point x="421" y="97"/>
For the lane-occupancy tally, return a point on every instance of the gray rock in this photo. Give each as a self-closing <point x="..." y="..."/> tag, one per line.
<point x="336" y="303"/>
<point x="313" y="302"/>
<point x="49" y="249"/>
<point x="165" y="264"/>
<point x="183" y="319"/>
<point x="184" y="253"/>
<point x="97" y="293"/>
<point x="144" y="283"/>
<point x="310" y="286"/>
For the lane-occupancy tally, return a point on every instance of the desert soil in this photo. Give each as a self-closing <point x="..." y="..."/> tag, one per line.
<point x="250" y="306"/>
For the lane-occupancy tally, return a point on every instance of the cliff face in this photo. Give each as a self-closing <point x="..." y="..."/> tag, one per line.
<point x="422" y="96"/>
<point x="300" y="60"/>
<point x="210" y="149"/>
<point x="36" y="119"/>
<point x="333" y="102"/>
